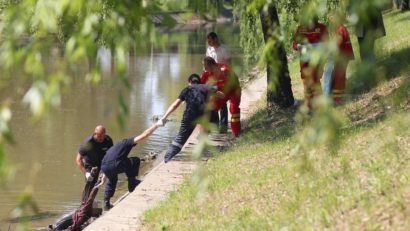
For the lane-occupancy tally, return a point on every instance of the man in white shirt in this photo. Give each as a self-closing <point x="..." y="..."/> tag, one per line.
<point x="220" y="53"/>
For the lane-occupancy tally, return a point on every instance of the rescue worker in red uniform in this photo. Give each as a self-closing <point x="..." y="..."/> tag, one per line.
<point x="345" y="54"/>
<point x="227" y="81"/>
<point x="308" y="36"/>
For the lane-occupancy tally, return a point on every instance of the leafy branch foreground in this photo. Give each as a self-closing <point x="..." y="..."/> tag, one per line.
<point x="266" y="182"/>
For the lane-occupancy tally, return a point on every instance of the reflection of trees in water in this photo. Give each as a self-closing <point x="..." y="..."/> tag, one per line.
<point x="104" y="60"/>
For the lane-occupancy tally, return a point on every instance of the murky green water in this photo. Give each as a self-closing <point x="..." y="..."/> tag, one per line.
<point x="44" y="153"/>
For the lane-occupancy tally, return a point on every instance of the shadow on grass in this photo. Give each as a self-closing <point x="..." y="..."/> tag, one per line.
<point x="368" y="76"/>
<point x="268" y="126"/>
<point x="367" y="112"/>
<point x="392" y="97"/>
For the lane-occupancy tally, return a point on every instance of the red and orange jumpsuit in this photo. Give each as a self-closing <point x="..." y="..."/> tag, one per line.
<point x="339" y="71"/>
<point x="310" y="73"/>
<point x="227" y="82"/>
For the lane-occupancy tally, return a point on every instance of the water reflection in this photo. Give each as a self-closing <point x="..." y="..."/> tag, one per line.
<point x="44" y="153"/>
<point x="104" y="60"/>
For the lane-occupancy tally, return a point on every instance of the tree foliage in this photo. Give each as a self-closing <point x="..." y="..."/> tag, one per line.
<point x="45" y="40"/>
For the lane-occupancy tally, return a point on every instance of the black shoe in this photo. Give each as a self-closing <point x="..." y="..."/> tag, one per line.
<point x="167" y="158"/>
<point x="107" y="205"/>
<point x="133" y="184"/>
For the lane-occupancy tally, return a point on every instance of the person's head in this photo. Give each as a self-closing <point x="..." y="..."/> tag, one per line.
<point x="99" y="134"/>
<point x="208" y="63"/>
<point x="212" y="39"/>
<point x="194" y="79"/>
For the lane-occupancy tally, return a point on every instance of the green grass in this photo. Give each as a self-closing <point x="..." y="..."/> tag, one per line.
<point x="268" y="179"/>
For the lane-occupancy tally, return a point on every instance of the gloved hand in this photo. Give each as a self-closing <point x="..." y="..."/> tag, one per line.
<point x="88" y="176"/>
<point x="161" y="122"/>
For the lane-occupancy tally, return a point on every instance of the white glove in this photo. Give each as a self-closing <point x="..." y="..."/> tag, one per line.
<point x="160" y="123"/>
<point x="88" y="176"/>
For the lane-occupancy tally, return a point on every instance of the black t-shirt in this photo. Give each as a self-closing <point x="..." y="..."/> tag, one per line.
<point x="195" y="97"/>
<point x="120" y="150"/>
<point x="93" y="152"/>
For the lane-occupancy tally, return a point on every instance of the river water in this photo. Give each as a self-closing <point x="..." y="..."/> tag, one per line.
<point x="44" y="151"/>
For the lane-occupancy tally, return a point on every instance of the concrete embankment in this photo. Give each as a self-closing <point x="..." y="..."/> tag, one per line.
<point x="165" y="178"/>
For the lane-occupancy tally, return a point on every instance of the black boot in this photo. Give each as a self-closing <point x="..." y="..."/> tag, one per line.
<point x="107" y="205"/>
<point x="132" y="184"/>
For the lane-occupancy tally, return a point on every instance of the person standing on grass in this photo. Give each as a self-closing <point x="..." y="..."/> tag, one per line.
<point x="220" y="53"/>
<point x="227" y="81"/>
<point x="345" y="54"/>
<point x="195" y="97"/>
<point x="307" y="37"/>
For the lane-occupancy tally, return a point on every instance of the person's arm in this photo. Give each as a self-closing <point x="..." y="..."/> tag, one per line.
<point x="80" y="163"/>
<point x="227" y="55"/>
<point x="208" y="52"/>
<point x="215" y="92"/>
<point x="172" y="108"/>
<point x="102" y="181"/>
<point x="146" y="133"/>
<point x="204" y="77"/>
<point x="219" y="94"/>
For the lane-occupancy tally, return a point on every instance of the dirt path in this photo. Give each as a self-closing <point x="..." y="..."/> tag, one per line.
<point x="165" y="178"/>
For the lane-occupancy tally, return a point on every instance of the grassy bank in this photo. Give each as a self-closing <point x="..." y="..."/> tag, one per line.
<point x="268" y="180"/>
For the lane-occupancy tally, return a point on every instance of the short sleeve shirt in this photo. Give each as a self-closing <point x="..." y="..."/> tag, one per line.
<point x="195" y="97"/>
<point x="93" y="152"/>
<point x="221" y="54"/>
<point x="120" y="150"/>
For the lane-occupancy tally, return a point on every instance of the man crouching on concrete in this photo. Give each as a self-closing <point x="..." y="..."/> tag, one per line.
<point x="116" y="161"/>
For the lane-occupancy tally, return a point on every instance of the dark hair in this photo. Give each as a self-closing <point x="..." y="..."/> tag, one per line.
<point x="209" y="60"/>
<point x="194" y="79"/>
<point x="212" y="35"/>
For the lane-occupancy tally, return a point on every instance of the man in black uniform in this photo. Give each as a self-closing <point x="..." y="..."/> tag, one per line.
<point x="195" y="97"/>
<point x="117" y="161"/>
<point x="92" y="151"/>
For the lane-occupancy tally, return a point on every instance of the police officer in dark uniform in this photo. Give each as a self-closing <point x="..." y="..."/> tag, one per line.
<point x="117" y="161"/>
<point x="195" y="97"/>
<point x="92" y="151"/>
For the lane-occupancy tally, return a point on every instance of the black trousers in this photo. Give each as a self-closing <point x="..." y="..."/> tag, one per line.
<point x="187" y="127"/>
<point x="223" y="119"/>
<point x="129" y="166"/>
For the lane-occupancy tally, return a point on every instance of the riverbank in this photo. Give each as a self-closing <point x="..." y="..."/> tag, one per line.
<point x="166" y="178"/>
<point x="281" y="175"/>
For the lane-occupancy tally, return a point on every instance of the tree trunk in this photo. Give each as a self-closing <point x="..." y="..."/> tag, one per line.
<point x="395" y="4"/>
<point x="279" y="90"/>
<point x="404" y="5"/>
